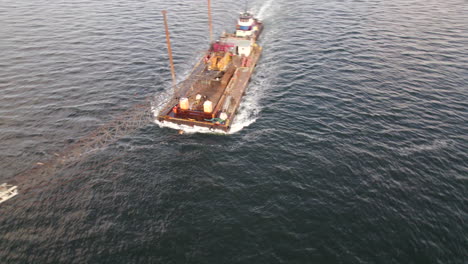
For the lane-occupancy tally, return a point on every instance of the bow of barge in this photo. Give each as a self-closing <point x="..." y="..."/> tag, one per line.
<point x="211" y="94"/>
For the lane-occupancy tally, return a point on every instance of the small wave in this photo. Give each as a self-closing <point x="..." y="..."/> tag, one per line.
<point x="436" y="145"/>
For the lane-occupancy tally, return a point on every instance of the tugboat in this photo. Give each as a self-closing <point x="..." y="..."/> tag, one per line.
<point x="7" y="191"/>
<point x="212" y="93"/>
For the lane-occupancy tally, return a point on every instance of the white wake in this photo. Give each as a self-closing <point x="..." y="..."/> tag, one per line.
<point x="264" y="9"/>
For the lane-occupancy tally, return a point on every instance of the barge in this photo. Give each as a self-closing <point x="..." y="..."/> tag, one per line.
<point x="211" y="94"/>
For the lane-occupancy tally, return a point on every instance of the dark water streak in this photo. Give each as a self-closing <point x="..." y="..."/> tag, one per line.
<point x="355" y="152"/>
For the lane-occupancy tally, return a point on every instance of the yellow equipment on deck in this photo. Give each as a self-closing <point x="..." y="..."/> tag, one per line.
<point x="224" y="62"/>
<point x="218" y="62"/>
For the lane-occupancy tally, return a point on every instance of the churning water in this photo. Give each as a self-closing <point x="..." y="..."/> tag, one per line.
<point x="350" y="145"/>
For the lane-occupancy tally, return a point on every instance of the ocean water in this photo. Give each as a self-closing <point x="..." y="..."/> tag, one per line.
<point x="350" y="145"/>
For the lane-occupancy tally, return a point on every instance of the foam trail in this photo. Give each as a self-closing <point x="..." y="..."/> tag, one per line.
<point x="265" y="7"/>
<point x="189" y="129"/>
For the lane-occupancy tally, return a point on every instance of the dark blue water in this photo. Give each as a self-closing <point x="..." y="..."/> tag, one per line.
<point x="350" y="146"/>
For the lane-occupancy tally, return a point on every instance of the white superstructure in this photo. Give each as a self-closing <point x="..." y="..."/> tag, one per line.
<point x="246" y="25"/>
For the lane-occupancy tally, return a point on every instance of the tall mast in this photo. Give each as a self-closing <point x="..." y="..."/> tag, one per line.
<point x="210" y="24"/>
<point x="169" y="50"/>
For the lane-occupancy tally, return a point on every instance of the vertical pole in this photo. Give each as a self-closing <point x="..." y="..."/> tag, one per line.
<point x="169" y="50"/>
<point x="210" y="24"/>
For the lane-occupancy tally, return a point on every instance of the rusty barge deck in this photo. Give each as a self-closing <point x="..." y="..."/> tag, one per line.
<point x="210" y="96"/>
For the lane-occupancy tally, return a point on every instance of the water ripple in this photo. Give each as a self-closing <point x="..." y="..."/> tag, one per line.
<point x="350" y="144"/>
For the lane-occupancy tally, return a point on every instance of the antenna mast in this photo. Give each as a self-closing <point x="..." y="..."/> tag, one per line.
<point x="210" y="24"/>
<point x="169" y="50"/>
